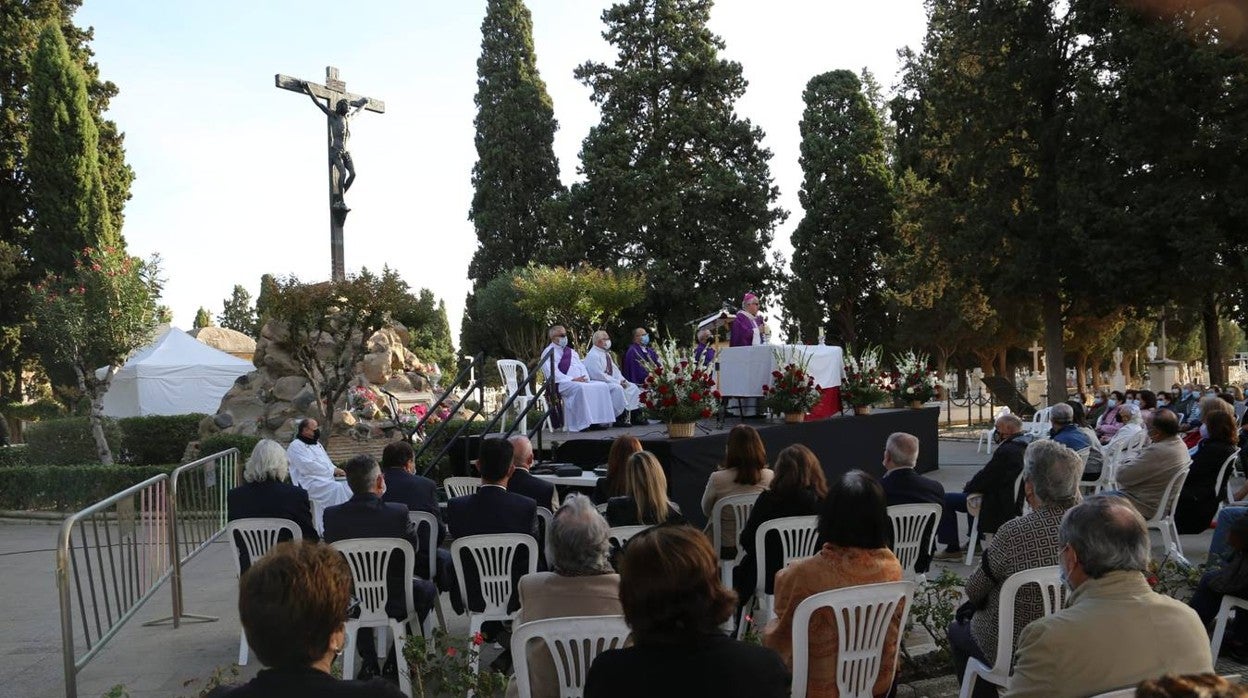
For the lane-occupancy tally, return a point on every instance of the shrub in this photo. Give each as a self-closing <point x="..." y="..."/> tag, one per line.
<point x="41" y="409"/>
<point x="67" y="487"/>
<point x="67" y="441"/>
<point x="158" y="439"/>
<point x="222" y="442"/>
<point x="13" y="456"/>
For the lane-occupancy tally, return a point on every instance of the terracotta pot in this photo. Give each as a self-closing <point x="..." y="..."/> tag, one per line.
<point x="794" y="417"/>
<point x="916" y="404"/>
<point x="680" y="430"/>
<point x="862" y="409"/>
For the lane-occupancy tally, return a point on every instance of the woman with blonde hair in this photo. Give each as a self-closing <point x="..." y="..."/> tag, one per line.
<point x="744" y="471"/>
<point x="613" y="484"/>
<point x="645" y="501"/>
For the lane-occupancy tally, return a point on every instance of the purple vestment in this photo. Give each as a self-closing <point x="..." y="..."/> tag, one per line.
<point x="637" y="362"/>
<point x="743" y="329"/>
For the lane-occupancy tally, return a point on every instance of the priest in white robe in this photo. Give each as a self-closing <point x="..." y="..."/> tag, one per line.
<point x="311" y="469"/>
<point x="625" y="395"/>
<point x="585" y="402"/>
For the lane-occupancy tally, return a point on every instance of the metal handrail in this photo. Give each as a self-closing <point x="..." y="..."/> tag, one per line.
<point x="126" y="593"/>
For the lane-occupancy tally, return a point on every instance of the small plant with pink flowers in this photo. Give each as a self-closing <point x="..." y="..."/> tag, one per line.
<point x="445" y="669"/>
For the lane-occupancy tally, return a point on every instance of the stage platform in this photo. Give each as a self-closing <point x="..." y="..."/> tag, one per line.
<point x="842" y="443"/>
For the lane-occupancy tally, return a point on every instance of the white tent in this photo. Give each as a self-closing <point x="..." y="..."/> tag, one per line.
<point x="176" y="374"/>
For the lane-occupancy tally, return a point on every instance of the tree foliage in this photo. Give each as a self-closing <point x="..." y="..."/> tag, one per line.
<point x="580" y="299"/>
<point x="238" y="314"/>
<point x="677" y="185"/>
<point x="847" y="193"/>
<point x="202" y="318"/>
<point x="425" y="316"/>
<point x="96" y="315"/>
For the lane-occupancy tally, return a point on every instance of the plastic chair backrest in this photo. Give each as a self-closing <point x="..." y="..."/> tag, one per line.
<point x="574" y="643"/>
<point x="492" y="554"/>
<point x="1052" y="596"/>
<point x="863" y="615"/>
<point x="514" y="374"/>
<point x="741" y="505"/>
<point x="1084" y="454"/>
<point x="619" y="535"/>
<point x="797" y="539"/>
<point x="258" y="536"/>
<point x="424" y="518"/>
<point x="369" y="559"/>
<point x="910" y="524"/>
<point x="1224" y="476"/>
<point x="460" y="486"/>
<point x="1170" y="498"/>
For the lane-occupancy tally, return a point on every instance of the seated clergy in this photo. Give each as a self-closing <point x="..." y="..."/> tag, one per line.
<point x="311" y="469"/>
<point x="704" y="353"/>
<point x="585" y="402"/>
<point x="601" y="366"/>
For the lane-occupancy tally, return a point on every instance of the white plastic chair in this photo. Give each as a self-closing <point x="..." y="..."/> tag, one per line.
<point x="1039" y="425"/>
<point x="798" y="536"/>
<point x="1163" y="518"/>
<point x="1225" y="611"/>
<point x="914" y="532"/>
<point x="258" y="535"/>
<point x="1224" y="474"/>
<point x="492" y="555"/>
<point x="369" y="559"/>
<point x="864" y="615"/>
<point x="420" y="518"/>
<point x="1053" y="597"/>
<point x="618" y="535"/>
<point x="970" y="545"/>
<point x="516" y="377"/>
<point x="460" y="486"/>
<point x="741" y="505"/>
<point x="574" y="643"/>
<point x="1084" y="454"/>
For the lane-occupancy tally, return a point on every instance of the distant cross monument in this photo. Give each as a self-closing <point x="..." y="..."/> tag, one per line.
<point x="339" y="107"/>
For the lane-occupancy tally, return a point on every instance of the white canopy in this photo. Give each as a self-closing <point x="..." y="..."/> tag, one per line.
<point x="176" y="374"/>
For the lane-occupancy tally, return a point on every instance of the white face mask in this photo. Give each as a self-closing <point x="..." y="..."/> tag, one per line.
<point x="561" y="342"/>
<point x="606" y="344"/>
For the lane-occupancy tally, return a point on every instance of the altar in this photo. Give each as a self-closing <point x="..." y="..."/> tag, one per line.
<point x="743" y="371"/>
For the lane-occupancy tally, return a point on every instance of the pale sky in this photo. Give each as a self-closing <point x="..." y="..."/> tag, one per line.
<point x="231" y="171"/>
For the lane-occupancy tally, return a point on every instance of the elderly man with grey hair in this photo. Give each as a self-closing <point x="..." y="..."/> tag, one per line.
<point x="601" y="365"/>
<point x="581" y="583"/>
<point x="995" y="485"/>
<point x="1064" y="431"/>
<point x="526" y="483"/>
<point x="1051" y="474"/>
<point x="1115" y="631"/>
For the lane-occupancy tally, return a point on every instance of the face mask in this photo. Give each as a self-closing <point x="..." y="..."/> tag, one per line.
<point x="606" y="345"/>
<point x="1112" y="402"/>
<point x="1098" y="400"/>
<point x="1186" y="393"/>
<point x="561" y="342"/>
<point x="1204" y="431"/>
<point x="1163" y="403"/>
<point x="1063" y="574"/>
<point x="645" y="339"/>
<point x="1136" y="402"/>
<point x="1211" y="394"/>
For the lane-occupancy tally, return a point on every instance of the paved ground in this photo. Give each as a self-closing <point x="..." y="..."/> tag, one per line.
<point x="162" y="661"/>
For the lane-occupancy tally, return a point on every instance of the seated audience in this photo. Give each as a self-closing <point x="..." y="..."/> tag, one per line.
<point x="853" y="529"/>
<point x="1114" y="631"/>
<point x="994" y="482"/>
<point x="1228" y="576"/>
<point x="1095" y="460"/>
<point x="1130" y="425"/>
<point x="1185" y="401"/>
<point x="365" y="515"/>
<point x="1190" y="686"/>
<point x="311" y="469"/>
<point x="613" y="484"/>
<point x="1051" y="481"/>
<point x="1108" y="423"/>
<point x="293" y="604"/>
<point x="1165" y="401"/>
<point x="417" y="493"/>
<point x="1148" y="406"/>
<point x="797" y="489"/>
<point x="1198" y="502"/>
<point x="675" y="605"/>
<point x="580" y="583"/>
<point x="645" y="502"/>
<point x="526" y="483"/>
<point x="904" y="485"/>
<point x="265" y="494"/>
<point x="1064" y="430"/>
<point x="1144" y="479"/>
<point x="1100" y="405"/>
<point x="744" y="471"/>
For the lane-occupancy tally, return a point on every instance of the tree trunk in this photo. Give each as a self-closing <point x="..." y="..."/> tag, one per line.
<point x="986" y="360"/>
<point x="1002" y="368"/>
<point x="1213" y="340"/>
<point x="1054" y="352"/>
<point x="1128" y="365"/>
<point x="1081" y="372"/>
<point x="96" y="390"/>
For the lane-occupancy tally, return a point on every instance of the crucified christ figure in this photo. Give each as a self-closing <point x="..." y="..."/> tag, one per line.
<point x="339" y="133"/>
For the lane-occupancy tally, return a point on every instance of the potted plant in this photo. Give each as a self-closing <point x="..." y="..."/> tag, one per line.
<point x="913" y="383"/>
<point x="865" y="382"/>
<point x="792" y="391"/>
<point x="678" y="390"/>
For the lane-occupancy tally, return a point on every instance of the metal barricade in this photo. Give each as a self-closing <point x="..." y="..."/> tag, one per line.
<point x="110" y="559"/>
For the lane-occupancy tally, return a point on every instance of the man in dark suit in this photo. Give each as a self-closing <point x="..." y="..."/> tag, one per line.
<point x="365" y="515"/>
<point x="904" y="485"/>
<point x="526" y="483"/>
<point x="994" y="482"/>
<point x="417" y="493"/>
<point x="265" y="494"/>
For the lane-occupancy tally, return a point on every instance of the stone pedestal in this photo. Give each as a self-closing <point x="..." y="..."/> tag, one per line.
<point x="1162" y="374"/>
<point x="1036" y="386"/>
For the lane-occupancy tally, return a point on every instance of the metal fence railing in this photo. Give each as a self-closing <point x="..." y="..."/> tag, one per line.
<point x="110" y="559"/>
<point x="113" y="556"/>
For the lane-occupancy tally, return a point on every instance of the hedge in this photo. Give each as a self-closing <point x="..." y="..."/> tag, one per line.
<point x="67" y="487"/>
<point x="223" y="442"/>
<point x="12" y="456"/>
<point x="157" y="439"/>
<point x="69" y="440"/>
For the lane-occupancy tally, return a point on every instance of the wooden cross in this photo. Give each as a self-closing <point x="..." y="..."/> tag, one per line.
<point x="333" y="91"/>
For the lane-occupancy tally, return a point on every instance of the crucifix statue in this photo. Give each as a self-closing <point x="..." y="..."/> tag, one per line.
<point x="1035" y="358"/>
<point x="339" y="106"/>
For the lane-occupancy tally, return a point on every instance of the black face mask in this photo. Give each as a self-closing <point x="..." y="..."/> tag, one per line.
<point x="315" y="438"/>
